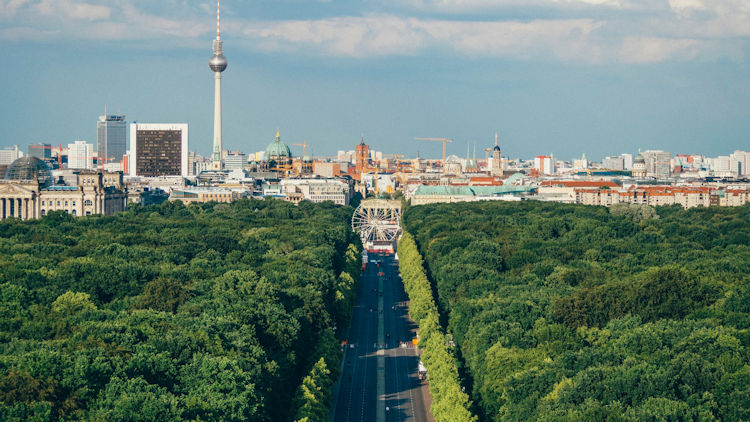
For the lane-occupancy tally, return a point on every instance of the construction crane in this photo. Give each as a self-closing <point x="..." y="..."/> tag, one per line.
<point x="304" y="146"/>
<point x="59" y="153"/>
<point x="443" y="140"/>
<point x="396" y="158"/>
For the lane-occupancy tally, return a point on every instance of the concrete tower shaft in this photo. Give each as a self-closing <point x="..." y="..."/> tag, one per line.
<point x="218" y="64"/>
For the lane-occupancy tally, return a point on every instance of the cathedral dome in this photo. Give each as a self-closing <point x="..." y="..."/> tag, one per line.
<point x="31" y="169"/>
<point x="277" y="149"/>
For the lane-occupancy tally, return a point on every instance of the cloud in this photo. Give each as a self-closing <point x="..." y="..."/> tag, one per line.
<point x="346" y="36"/>
<point x="566" y="40"/>
<point x="9" y="8"/>
<point x="710" y="19"/>
<point x="651" y="50"/>
<point x="674" y="30"/>
<point x="72" y="9"/>
<point x="473" y="6"/>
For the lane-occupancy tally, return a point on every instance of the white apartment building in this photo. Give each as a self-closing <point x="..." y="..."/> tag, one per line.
<point x="9" y="155"/>
<point x="81" y="155"/>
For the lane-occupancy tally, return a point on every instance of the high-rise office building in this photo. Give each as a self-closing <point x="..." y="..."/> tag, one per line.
<point x="235" y="160"/>
<point x="80" y="155"/>
<point x="627" y="161"/>
<point x="40" y="150"/>
<point x="111" y="130"/>
<point x="545" y="164"/>
<point x="158" y="150"/>
<point x="10" y="154"/>
<point x="742" y="160"/>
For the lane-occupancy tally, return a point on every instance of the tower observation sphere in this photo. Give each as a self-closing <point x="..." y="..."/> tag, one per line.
<point x="218" y="62"/>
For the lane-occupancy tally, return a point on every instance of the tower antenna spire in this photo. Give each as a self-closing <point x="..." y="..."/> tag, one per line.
<point x="218" y="20"/>
<point x="218" y="64"/>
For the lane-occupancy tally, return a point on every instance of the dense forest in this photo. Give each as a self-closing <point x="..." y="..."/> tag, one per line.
<point x="565" y="312"/>
<point x="168" y="313"/>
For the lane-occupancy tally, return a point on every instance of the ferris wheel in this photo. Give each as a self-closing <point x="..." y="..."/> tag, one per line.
<point x="377" y="220"/>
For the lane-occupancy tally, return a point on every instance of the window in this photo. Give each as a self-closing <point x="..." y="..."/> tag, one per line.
<point x="42" y="202"/>
<point x="88" y="212"/>
<point x="66" y="203"/>
<point x="44" y="213"/>
<point x="74" y="212"/>
<point x="74" y="203"/>
<point x="88" y="203"/>
<point x="58" y="203"/>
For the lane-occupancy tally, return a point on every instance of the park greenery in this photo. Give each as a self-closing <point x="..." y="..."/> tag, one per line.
<point x="450" y="403"/>
<point x="205" y="312"/>
<point x="569" y="313"/>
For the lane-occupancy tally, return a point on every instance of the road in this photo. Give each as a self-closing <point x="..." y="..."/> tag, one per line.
<point x="405" y="396"/>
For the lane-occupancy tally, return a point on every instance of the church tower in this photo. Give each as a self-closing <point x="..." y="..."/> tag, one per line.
<point x="497" y="160"/>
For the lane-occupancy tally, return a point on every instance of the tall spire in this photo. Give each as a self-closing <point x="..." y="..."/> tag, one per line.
<point x="218" y="64"/>
<point x="496" y="144"/>
<point x="218" y="20"/>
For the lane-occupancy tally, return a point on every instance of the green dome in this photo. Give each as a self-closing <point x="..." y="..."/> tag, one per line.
<point x="277" y="149"/>
<point x="29" y="168"/>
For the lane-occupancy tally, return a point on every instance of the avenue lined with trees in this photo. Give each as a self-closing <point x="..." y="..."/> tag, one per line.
<point x="205" y="312"/>
<point x="564" y="312"/>
<point x="450" y="404"/>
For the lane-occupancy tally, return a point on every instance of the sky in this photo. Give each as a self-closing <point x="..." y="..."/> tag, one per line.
<point x="562" y="77"/>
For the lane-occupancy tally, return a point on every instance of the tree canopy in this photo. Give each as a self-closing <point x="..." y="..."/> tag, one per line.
<point x="567" y="312"/>
<point x="173" y="312"/>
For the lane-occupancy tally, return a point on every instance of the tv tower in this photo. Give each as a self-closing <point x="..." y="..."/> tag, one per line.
<point x="218" y="64"/>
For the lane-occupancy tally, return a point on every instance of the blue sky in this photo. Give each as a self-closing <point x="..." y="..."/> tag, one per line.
<point x="567" y="77"/>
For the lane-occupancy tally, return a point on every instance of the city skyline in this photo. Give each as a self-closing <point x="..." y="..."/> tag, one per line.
<point x="590" y="77"/>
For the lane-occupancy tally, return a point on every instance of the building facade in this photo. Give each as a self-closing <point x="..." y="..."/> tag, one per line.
<point x="235" y="161"/>
<point x="202" y="195"/>
<point x="158" y="150"/>
<point x="362" y="163"/>
<point x="80" y="155"/>
<point x="28" y="192"/>
<point x="10" y="154"/>
<point x="317" y="190"/>
<point x="658" y="164"/>
<point x="111" y="137"/>
<point x="685" y="196"/>
<point x="497" y="160"/>
<point x="40" y="150"/>
<point x="639" y="167"/>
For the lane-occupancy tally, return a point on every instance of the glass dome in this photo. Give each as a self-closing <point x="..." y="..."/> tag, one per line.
<point x="29" y="169"/>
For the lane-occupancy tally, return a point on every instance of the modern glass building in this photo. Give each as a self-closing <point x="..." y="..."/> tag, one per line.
<point x="40" y="150"/>
<point x="111" y="137"/>
<point x="158" y="150"/>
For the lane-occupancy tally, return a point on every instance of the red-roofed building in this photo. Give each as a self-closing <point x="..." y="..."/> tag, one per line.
<point x="485" y="181"/>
